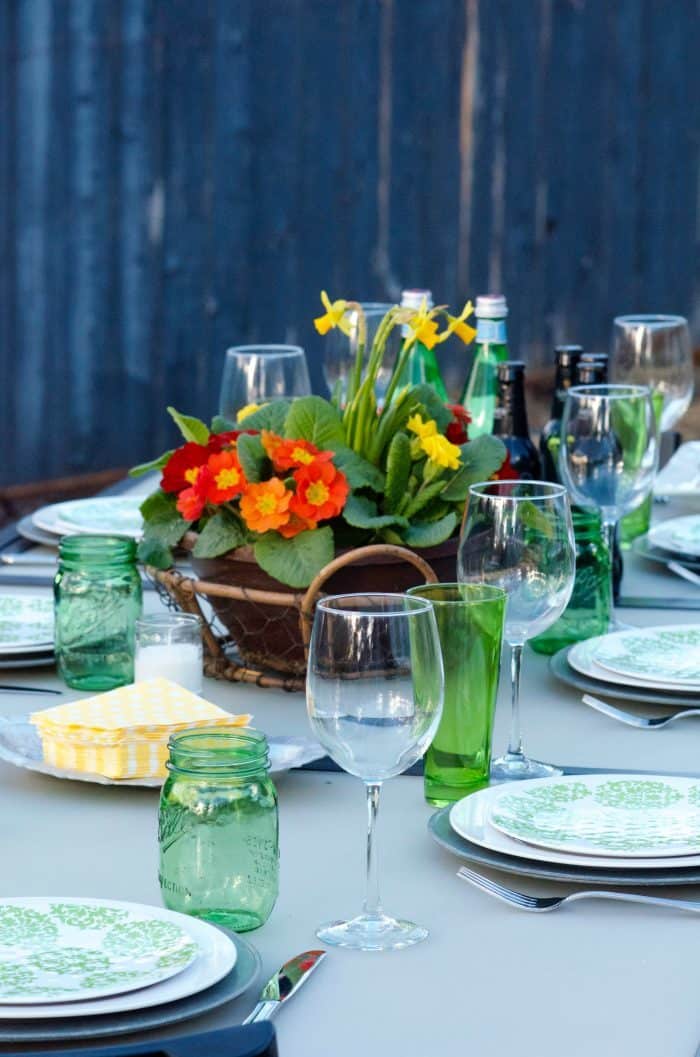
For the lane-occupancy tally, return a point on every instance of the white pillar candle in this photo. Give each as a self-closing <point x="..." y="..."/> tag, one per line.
<point x="181" y="662"/>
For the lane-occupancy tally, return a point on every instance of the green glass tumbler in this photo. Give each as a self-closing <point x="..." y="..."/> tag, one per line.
<point x="470" y="625"/>
<point x="218" y="828"/>
<point x="97" y="598"/>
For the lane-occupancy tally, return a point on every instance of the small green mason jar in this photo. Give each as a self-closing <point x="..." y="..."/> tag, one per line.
<point x="588" y="611"/>
<point x="218" y="829"/>
<point x="97" y="593"/>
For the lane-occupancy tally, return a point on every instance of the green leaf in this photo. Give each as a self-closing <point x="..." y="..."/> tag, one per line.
<point x="481" y="458"/>
<point x="153" y="552"/>
<point x="312" y="418"/>
<point x="154" y="464"/>
<point x="434" y="407"/>
<point x="192" y="429"/>
<point x="424" y="497"/>
<point x="163" y="522"/>
<point x="430" y="533"/>
<point x="295" y="561"/>
<point x="361" y="512"/>
<point x="221" y="533"/>
<point x="359" y="472"/>
<point x="398" y="470"/>
<point x="251" y="456"/>
<point x="272" y="416"/>
<point x="221" y="424"/>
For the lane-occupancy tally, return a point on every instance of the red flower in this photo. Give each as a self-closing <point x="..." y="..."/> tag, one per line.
<point x="456" y="431"/>
<point x="220" y="441"/>
<point x="180" y="471"/>
<point x="191" y="501"/>
<point x="506" y="472"/>
<point x="321" y="491"/>
<point x="227" y="477"/>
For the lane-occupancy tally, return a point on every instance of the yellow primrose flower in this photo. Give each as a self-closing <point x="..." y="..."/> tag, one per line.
<point x="456" y="325"/>
<point x="334" y="316"/>
<point x="420" y="428"/>
<point x="249" y="409"/>
<point x="424" y="326"/>
<point x="441" y="451"/>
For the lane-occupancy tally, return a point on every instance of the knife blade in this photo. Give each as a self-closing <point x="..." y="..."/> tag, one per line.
<point x="283" y="984"/>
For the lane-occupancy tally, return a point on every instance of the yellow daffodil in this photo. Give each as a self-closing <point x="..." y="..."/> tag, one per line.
<point x="424" y="326"/>
<point x="422" y="429"/>
<point x="440" y="451"/>
<point x="249" y="409"/>
<point x="456" y="325"/>
<point x="334" y="316"/>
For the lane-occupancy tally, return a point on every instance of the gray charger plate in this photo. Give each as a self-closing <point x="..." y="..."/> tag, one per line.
<point x="442" y="832"/>
<point x="645" y="549"/>
<point x="561" y="669"/>
<point x="243" y="975"/>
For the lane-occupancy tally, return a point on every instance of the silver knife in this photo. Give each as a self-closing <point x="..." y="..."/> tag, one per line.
<point x="283" y="984"/>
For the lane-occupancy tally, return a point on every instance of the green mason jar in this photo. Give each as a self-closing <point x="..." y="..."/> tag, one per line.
<point x="97" y="592"/>
<point x="218" y="829"/>
<point x="588" y="611"/>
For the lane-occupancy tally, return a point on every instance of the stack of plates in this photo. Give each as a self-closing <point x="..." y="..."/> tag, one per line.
<point x="660" y="665"/>
<point x="84" y="967"/>
<point x="26" y="631"/>
<point x="608" y="828"/>
<point x="677" y="539"/>
<point x="101" y="516"/>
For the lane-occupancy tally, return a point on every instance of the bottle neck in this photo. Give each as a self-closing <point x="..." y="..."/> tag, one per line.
<point x="563" y="380"/>
<point x="510" y="416"/>
<point x="491" y="331"/>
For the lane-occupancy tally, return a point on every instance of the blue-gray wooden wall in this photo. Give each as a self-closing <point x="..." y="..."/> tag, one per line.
<point x="180" y="175"/>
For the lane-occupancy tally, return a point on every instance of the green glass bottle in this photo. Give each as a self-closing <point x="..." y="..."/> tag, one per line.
<point x="588" y="611"/>
<point x="218" y="827"/>
<point x="97" y="596"/>
<point x="422" y="363"/>
<point x="490" y="349"/>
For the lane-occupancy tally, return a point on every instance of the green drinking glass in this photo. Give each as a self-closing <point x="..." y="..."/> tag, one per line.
<point x="470" y="621"/>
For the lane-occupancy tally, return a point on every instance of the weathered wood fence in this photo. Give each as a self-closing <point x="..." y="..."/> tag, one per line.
<point x="180" y="175"/>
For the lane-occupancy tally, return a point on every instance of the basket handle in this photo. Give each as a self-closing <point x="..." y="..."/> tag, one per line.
<point x="385" y="550"/>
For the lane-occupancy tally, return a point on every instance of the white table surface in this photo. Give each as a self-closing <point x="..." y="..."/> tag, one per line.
<point x="598" y="979"/>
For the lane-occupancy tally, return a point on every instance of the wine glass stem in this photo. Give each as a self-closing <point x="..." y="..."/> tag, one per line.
<point x="515" y="744"/>
<point x="373" y="906"/>
<point x="609" y="527"/>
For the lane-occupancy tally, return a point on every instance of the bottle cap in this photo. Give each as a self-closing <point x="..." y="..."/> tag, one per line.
<point x="509" y="370"/>
<point x="594" y="357"/>
<point x="591" y="372"/>
<point x="414" y="298"/>
<point x="491" y="306"/>
<point x="568" y="355"/>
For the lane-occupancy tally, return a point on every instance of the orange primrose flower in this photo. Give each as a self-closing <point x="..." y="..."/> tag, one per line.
<point x="290" y="454"/>
<point x="265" y="506"/>
<point x="321" y="491"/>
<point x="191" y="501"/>
<point x="227" y="477"/>
<point x="294" y="526"/>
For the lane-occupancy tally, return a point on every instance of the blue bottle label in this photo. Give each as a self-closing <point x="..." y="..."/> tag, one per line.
<point x="492" y="331"/>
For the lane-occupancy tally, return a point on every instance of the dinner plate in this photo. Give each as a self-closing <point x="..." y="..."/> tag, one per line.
<point x="625" y="690"/>
<point x="20" y="744"/>
<point x="183" y="996"/>
<point x="668" y="655"/>
<point x="582" y="657"/>
<point x="679" y="535"/>
<point x="645" y="549"/>
<point x="101" y="516"/>
<point x="26" y="624"/>
<point x="469" y="818"/>
<point x="609" y="814"/>
<point x="29" y="531"/>
<point x="57" y="950"/>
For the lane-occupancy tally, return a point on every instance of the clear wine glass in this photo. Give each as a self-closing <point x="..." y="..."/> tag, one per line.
<point x="655" y="350"/>
<point x="374" y="693"/>
<point x="339" y="350"/>
<point x="518" y="535"/>
<point x="608" y="453"/>
<point x="254" y="374"/>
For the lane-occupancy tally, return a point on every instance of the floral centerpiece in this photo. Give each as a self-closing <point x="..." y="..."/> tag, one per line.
<point x="299" y="480"/>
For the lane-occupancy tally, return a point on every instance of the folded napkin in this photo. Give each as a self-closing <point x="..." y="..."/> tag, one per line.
<point x="124" y="733"/>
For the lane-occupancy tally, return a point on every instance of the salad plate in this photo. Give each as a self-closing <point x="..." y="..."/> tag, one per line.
<point x="678" y="535"/>
<point x="667" y="656"/>
<point x="100" y="516"/>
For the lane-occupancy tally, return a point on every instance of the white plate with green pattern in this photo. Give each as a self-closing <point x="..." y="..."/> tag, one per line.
<point x="668" y="655"/>
<point x="582" y="658"/>
<point x="628" y="816"/>
<point x="26" y="624"/>
<point x="102" y="516"/>
<point x="678" y="535"/>
<point x="64" y="950"/>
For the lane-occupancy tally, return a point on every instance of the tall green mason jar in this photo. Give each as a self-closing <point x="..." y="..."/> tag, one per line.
<point x="97" y="595"/>
<point x="588" y="611"/>
<point x="218" y="828"/>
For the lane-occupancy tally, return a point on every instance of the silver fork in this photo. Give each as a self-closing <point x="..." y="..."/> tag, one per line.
<point x="541" y="904"/>
<point x="642" y="722"/>
<point x="687" y="574"/>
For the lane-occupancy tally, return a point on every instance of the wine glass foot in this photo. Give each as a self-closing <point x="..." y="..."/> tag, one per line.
<point x="514" y="767"/>
<point x="371" y="932"/>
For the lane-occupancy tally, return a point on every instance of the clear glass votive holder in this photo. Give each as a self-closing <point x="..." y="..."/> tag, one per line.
<point x="470" y="620"/>
<point x="169" y="646"/>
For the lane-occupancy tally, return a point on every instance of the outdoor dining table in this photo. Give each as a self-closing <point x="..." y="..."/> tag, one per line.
<point x="597" y="978"/>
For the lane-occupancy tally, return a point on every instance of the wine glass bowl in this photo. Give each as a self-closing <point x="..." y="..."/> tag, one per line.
<point x="254" y="374"/>
<point x="655" y="350"/>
